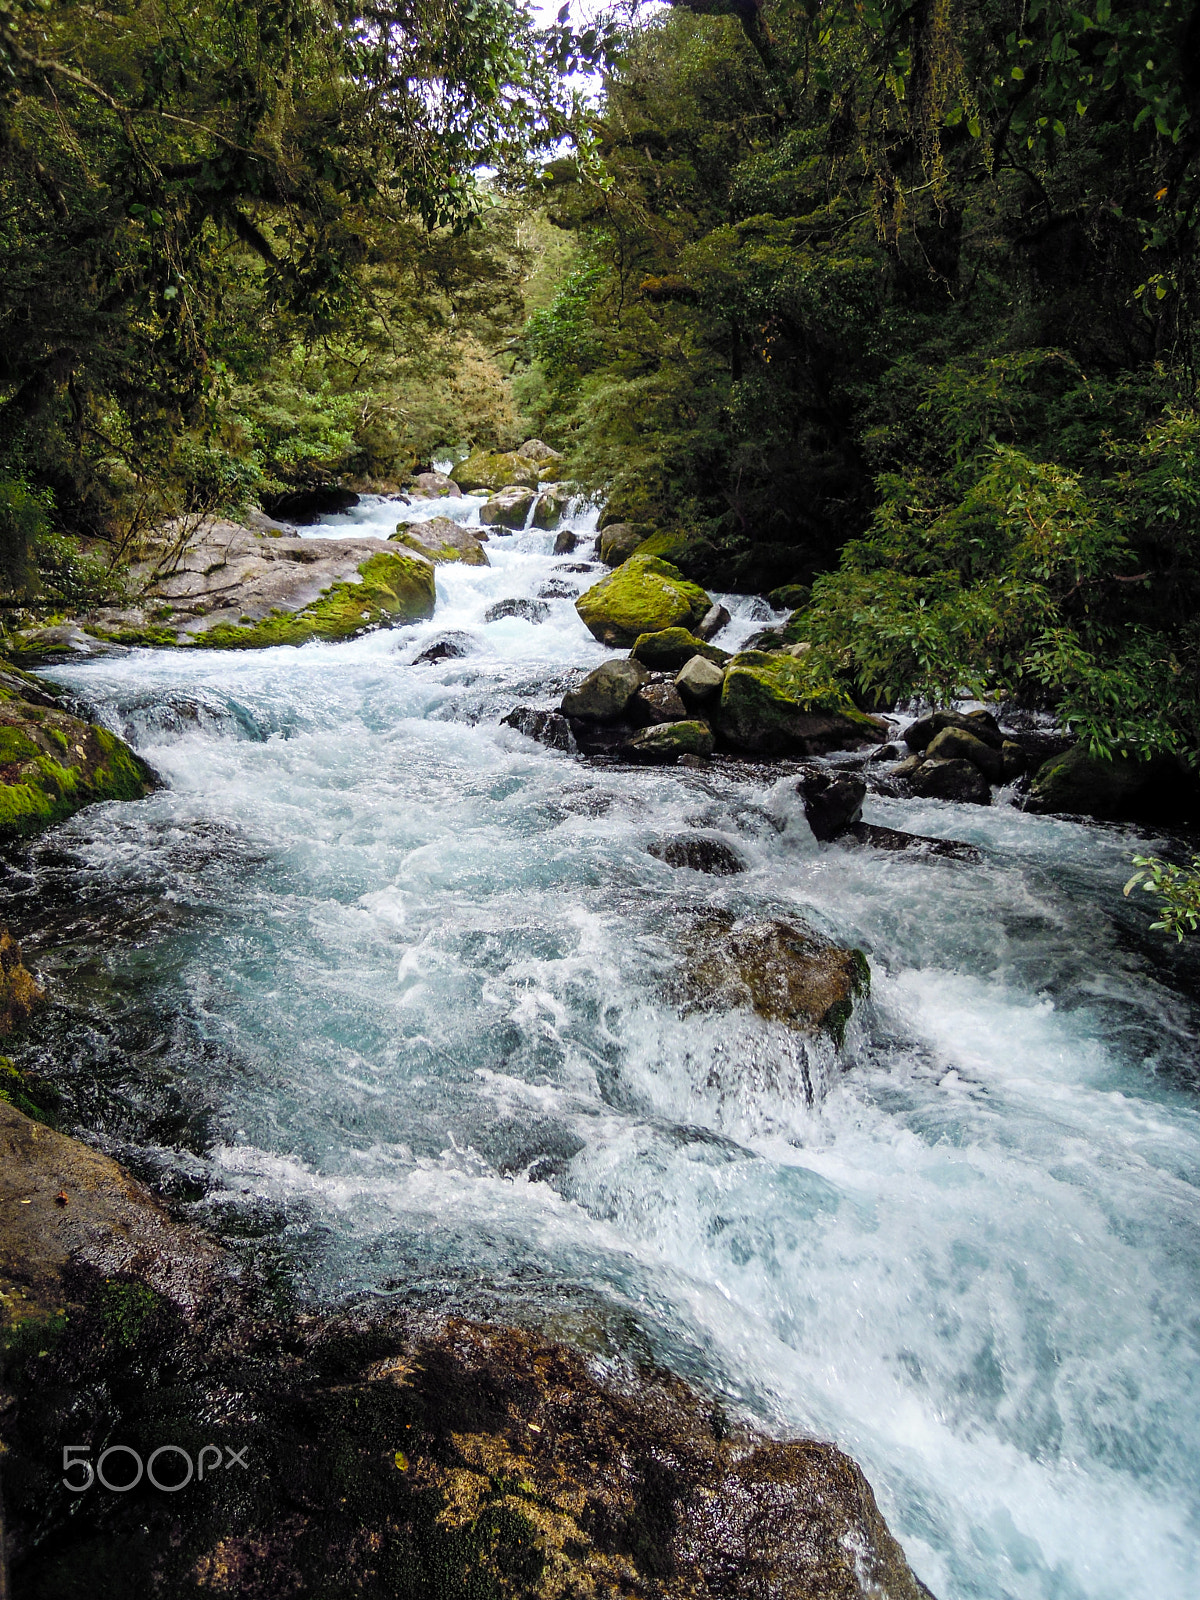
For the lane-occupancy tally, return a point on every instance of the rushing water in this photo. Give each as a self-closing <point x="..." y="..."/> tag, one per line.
<point x="404" y="975"/>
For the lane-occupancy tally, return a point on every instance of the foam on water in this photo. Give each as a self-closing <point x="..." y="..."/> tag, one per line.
<point x="421" y="984"/>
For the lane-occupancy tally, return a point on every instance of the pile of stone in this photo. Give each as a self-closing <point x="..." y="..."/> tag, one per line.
<point x="959" y="757"/>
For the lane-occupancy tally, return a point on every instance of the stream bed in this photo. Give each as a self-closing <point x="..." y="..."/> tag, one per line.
<point x="391" y="983"/>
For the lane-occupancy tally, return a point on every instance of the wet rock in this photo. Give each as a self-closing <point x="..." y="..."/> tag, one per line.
<point x="496" y="469"/>
<point x="713" y="620"/>
<point x="670" y="740"/>
<point x="566" y="541"/>
<point x="433" y="486"/>
<point x="66" y="641"/>
<point x="1013" y="761"/>
<point x="53" y="763"/>
<point x="919" y="735"/>
<point x="450" y="647"/>
<point x="20" y="996"/>
<point x="905" y="769"/>
<point x="507" y="509"/>
<point x="766" y="639"/>
<point x="767" y="707"/>
<point x="700" y="854"/>
<point x="557" y="591"/>
<point x="1080" y="784"/>
<point x="547" y="727"/>
<point x="654" y="703"/>
<point x="441" y="539"/>
<point x="951" y="780"/>
<point x="527" y="610"/>
<point x="833" y="801"/>
<point x="672" y="648"/>
<point x="881" y="838"/>
<point x="699" y="681"/>
<point x="643" y="595"/>
<point x="783" y="970"/>
<point x="619" y="540"/>
<point x="604" y="693"/>
<point x="551" y="507"/>
<point x="304" y="506"/>
<point x="958" y="744"/>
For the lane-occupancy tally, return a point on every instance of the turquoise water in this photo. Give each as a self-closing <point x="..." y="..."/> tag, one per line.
<point x="416" y="972"/>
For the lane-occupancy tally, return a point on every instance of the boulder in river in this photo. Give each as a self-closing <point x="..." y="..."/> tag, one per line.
<point x="566" y="542"/>
<point x="961" y="744"/>
<point x="713" y="620"/>
<point x="643" y="595"/>
<point x="956" y="780"/>
<point x="881" y="838"/>
<point x="507" y="509"/>
<point x="441" y="539"/>
<point x="1122" y="789"/>
<point x="550" y="728"/>
<point x="1013" y="761"/>
<point x="619" y="540"/>
<point x="53" y="763"/>
<point x="551" y="507"/>
<point x="783" y="970"/>
<point x="672" y="648"/>
<point x="433" y="486"/>
<point x="604" y="693"/>
<point x="919" y="734"/>
<point x="833" y="800"/>
<point x="699" y="680"/>
<point x="538" y="450"/>
<point x="767" y="707"/>
<point x="526" y="610"/>
<point x="496" y="469"/>
<point x="229" y="587"/>
<point x="654" y="703"/>
<point x="694" y="851"/>
<point x="450" y="647"/>
<point x="670" y="740"/>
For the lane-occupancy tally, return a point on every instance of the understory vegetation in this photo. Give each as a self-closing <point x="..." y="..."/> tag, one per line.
<point x="893" y="306"/>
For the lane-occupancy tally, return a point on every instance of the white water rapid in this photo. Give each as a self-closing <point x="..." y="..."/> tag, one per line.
<point x="405" y="971"/>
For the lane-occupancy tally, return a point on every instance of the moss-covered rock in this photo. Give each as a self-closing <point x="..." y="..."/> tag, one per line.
<point x="552" y="506"/>
<point x="509" y="508"/>
<point x="672" y="648"/>
<point x="769" y="706"/>
<point x="441" y="539"/>
<point x="643" y="595"/>
<point x="393" y="589"/>
<point x="20" y="993"/>
<point x="667" y="741"/>
<point x="619" y="540"/>
<point x="497" y="469"/>
<point x="783" y="970"/>
<point x="53" y="763"/>
<point x="1122" y="789"/>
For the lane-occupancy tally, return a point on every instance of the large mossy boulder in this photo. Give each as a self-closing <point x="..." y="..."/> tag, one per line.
<point x="768" y="708"/>
<point x="784" y="971"/>
<point x="53" y="763"/>
<point x="1120" y="790"/>
<point x="672" y="648"/>
<point x="496" y="469"/>
<point x="643" y="595"/>
<point x="507" y="509"/>
<point x="391" y="590"/>
<point x="441" y="539"/>
<point x="552" y="506"/>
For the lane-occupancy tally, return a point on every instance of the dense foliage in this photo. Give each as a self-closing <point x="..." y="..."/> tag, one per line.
<point x="247" y="247"/>
<point x="912" y="287"/>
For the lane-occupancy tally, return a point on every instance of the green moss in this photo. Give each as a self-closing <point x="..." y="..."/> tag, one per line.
<point x="672" y="739"/>
<point x="125" y="1310"/>
<point x="30" y="1095"/>
<point x="769" y="702"/>
<point x="16" y="746"/>
<point x="393" y="588"/>
<point x="58" y="736"/>
<point x="496" y="469"/>
<point x="673" y="648"/>
<point x="643" y="595"/>
<point x="50" y="790"/>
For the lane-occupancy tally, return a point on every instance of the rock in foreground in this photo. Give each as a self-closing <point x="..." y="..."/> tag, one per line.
<point x="373" y="1453"/>
<point x="52" y="763"/>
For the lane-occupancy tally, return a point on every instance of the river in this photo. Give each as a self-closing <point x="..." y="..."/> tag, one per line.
<point x="387" y="983"/>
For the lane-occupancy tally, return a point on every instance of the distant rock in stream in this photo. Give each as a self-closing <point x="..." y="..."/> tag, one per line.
<point x="526" y="610"/>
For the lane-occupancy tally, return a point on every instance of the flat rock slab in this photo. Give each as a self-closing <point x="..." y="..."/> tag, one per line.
<point x="228" y="572"/>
